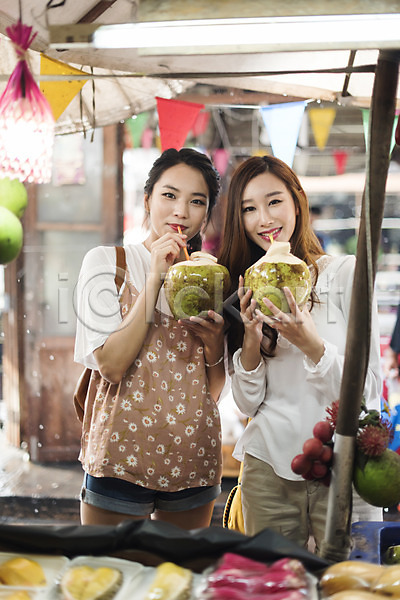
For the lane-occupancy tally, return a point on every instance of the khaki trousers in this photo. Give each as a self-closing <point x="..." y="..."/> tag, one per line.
<point x="295" y="509"/>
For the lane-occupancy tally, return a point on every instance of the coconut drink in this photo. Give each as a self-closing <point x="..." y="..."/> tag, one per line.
<point x="277" y="269"/>
<point x="195" y="286"/>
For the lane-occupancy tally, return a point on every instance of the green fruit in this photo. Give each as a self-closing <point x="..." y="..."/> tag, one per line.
<point x="11" y="236"/>
<point x="13" y="196"/>
<point x="377" y="478"/>
<point x="392" y="555"/>
<point x="194" y="289"/>
<point x="267" y="280"/>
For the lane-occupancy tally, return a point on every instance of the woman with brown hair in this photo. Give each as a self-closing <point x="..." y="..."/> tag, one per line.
<point x="287" y="367"/>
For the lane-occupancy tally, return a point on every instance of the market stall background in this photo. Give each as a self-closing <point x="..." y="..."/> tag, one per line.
<point x="129" y="81"/>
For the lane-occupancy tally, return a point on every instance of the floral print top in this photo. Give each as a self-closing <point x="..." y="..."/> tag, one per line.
<point x="159" y="428"/>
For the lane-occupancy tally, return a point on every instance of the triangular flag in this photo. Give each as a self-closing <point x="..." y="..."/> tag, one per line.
<point x="321" y="120"/>
<point x="221" y="160"/>
<point x="365" y="116"/>
<point x="340" y="157"/>
<point x="147" y="138"/>
<point x="397" y="132"/>
<point x="59" y="94"/>
<point x="136" y="127"/>
<point x="201" y="123"/>
<point x="283" y="125"/>
<point x="175" y="120"/>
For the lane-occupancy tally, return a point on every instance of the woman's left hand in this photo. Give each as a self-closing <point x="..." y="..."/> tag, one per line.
<point x="297" y="326"/>
<point x="210" y="330"/>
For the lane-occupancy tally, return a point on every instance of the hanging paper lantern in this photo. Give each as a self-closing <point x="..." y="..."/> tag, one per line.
<point x="26" y="119"/>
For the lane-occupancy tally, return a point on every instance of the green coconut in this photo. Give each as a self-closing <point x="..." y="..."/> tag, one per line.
<point x="195" y="286"/>
<point x="377" y="478"/>
<point x="274" y="271"/>
<point x="11" y="236"/>
<point x="13" y="195"/>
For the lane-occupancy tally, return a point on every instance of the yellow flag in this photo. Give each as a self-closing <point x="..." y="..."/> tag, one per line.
<point x="59" y="94"/>
<point x="259" y="152"/>
<point x="321" y="120"/>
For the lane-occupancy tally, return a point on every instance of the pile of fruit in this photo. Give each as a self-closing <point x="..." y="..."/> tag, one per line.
<point x="359" y="580"/>
<point x="376" y="475"/>
<point x="13" y="202"/>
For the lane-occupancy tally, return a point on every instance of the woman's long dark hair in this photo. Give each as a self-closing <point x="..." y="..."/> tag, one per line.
<point x="238" y="252"/>
<point x="197" y="160"/>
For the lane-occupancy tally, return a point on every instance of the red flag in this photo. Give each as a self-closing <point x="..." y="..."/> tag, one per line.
<point x="175" y="119"/>
<point x="340" y="157"/>
<point x="221" y="160"/>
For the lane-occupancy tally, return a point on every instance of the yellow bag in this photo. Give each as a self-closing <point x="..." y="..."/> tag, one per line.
<point x="233" y="516"/>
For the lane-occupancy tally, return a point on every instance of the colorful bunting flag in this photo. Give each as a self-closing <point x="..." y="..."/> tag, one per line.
<point x="321" y="120"/>
<point x="136" y="126"/>
<point x="59" y="94"/>
<point x="365" y="117"/>
<point x="340" y="157"/>
<point x="147" y="138"/>
<point x="283" y="123"/>
<point x="221" y="160"/>
<point x="175" y="119"/>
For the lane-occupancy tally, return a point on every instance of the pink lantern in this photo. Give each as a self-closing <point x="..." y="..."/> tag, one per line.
<point x="26" y="119"/>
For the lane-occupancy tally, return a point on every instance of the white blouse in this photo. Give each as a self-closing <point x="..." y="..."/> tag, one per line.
<point x="96" y="299"/>
<point x="287" y="394"/>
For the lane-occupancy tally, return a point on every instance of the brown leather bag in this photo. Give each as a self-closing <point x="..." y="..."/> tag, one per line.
<point x="82" y="386"/>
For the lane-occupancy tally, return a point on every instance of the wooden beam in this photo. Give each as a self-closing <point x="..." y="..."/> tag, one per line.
<point x="97" y="10"/>
<point x="176" y="10"/>
<point x="235" y="96"/>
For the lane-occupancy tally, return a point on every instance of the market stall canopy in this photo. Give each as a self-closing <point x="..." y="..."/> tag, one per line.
<point x="125" y="81"/>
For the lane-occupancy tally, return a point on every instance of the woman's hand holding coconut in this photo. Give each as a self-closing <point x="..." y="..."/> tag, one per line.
<point x="297" y="326"/>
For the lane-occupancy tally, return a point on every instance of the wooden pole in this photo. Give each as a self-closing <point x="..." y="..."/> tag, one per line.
<point x="336" y="545"/>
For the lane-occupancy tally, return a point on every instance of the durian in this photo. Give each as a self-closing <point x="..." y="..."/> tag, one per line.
<point x="87" y="583"/>
<point x="22" y="571"/>
<point x="171" y="583"/>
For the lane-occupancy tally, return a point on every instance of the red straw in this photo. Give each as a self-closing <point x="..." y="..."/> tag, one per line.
<point x="184" y="248"/>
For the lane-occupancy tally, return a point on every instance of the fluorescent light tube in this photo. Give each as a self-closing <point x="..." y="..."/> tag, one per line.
<point x="209" y="36"/>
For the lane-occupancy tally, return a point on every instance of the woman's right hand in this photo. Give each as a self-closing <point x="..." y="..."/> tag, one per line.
<point x="252" y="323"/>
<point x="165" y="251"/>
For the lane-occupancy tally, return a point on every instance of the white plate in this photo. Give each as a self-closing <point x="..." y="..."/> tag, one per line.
<point x="5" y="594"/>
<point x="51" y="566"/>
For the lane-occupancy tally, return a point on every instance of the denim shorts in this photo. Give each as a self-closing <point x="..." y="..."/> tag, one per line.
<point x="117" y="495"/>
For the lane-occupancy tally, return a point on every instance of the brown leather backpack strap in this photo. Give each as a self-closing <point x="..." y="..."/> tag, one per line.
<point x="120" y="272"/>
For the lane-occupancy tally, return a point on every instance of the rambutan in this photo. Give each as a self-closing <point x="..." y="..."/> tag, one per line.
<point x="373" y="440"/>
<point x="332" y="412"/>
